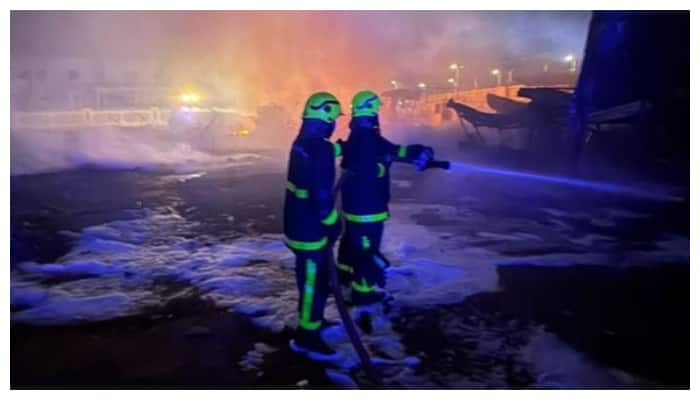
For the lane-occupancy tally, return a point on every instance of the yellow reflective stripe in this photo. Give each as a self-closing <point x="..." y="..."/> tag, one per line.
<point x="361" y="287"/>
<point x="379" y="217"/>
<point x="306" y="246"/>
<point x="337" y="149"/>
<point x="308" y="299"/>
<point x="300" y="193"/>
<point x="403" y="150"/>
<point x="345" y="268"/>
<point x="382" y="170"/>
<point x="331" y="218"/>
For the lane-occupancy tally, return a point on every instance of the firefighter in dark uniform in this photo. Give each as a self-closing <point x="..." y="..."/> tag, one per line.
<point x="311" y="222"/>
<point x="367" y="159"/>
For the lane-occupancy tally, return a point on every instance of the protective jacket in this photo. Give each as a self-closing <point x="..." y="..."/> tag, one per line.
<point x="308" y="207"/>
<point x="367" y="158"/>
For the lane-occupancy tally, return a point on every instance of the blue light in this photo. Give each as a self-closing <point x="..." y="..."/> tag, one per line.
<point x="561" y="180"/>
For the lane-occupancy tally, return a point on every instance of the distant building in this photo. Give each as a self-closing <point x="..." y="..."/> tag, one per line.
<point x="40" y="84"/>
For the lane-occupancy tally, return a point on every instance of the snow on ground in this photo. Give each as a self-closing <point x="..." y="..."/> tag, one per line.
<point x="119" y="268"/>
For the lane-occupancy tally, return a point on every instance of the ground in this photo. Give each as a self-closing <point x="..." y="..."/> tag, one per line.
<point x="177" y="277"/>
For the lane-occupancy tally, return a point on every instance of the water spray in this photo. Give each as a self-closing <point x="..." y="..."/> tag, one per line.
<point x="552" y="179"/>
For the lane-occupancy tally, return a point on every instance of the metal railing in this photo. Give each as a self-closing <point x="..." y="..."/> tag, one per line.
<point x="89" y="118"/>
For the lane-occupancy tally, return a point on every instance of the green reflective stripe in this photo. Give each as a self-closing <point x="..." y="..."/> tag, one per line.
<point x="337" y="149"/>
<point x="308" y="299"/>
<point x="403" y="150"/>
<point x="366" y="244"/>
<point x="382" y="170"/>
<point x="345" y="268"/>
<point x="310" y="326"/>
<point x="300" y="193"/>
<point x="331" y="219"/>
<point x="361" y="287"/>
<point x="306" y="246"/>
<point x="379" y="217"/>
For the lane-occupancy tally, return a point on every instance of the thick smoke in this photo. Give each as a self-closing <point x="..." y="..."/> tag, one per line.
<point x="278" y="58"/>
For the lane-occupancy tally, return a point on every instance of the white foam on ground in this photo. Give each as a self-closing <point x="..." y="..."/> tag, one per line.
<point x="69" y="308"/>
<point x="558" y="366"/>
<point x="121" y="262"/>
<point x="253" y="360"/>
<point x="604" y="217"/>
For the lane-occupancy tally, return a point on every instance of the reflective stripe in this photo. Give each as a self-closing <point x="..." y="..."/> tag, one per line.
<point x="299" y="193"/>
<point x="379" y="217"/>
<point x="306" y="246"/>
<point x="310" y="326"/>
<point x="337" y="149"/>
<point x="366" y="244"/>
<point x="382" y="170"/>
<point x="403" y="150"/>
<point x="345" y="267"/>
<point x="361" y="287"/>
<point x="308" y="299"/>
<point x="331" y="219"/>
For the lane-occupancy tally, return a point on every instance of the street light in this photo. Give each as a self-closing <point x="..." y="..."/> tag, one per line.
<point x="497" y="73"/>
<point x="456" y="67"/>
<point x="454" y="84"/>
<point x="571" y="59"/>
<point x="394" y="84"/>
<point x="422" y="86"/>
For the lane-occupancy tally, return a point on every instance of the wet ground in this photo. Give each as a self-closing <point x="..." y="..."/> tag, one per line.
<point x="621" y="319"/>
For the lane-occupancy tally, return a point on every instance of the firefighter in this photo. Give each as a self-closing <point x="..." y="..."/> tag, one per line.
<point x="311" y="222"/>
<point x="367" y="158"/>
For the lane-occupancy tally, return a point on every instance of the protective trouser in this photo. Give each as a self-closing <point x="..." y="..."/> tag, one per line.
<point x="312" y="282"/>
<point x="359" y="257"/>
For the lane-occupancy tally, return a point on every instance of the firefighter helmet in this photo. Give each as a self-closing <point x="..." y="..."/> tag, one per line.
<point x="366" y="103"/>
<point x="323" y="106"/>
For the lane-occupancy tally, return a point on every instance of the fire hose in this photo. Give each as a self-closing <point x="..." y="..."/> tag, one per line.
<point x="348" y="323"/>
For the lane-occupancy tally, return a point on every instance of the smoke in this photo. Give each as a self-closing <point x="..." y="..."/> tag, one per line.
<point x="280" y="57"/>
<point x="36" y="152"/>
<point x="277" y="58"/>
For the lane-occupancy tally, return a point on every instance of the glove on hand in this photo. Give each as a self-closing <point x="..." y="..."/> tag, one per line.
<point x="426" y="155"/>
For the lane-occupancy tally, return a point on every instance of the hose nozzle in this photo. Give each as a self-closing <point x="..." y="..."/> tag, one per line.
<point x="438" y="164"/>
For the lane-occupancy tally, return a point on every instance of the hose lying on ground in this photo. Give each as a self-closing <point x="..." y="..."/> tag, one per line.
<point x="348" y="323"/>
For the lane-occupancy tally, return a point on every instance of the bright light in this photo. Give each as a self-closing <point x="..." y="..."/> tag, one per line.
<point x="569" y="58"/>
<point x="422" y="85"/>
<point x="454" y="66"/>
<point x="495" y="72"/>
<point x="189" y="98"/>
<point x="451" y="80"/>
